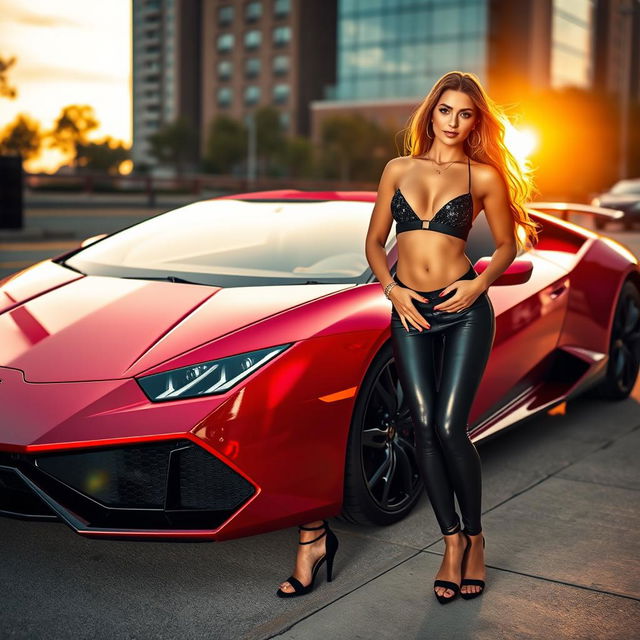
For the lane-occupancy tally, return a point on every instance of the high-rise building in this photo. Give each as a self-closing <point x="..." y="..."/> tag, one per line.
<point x="200" y="58"/>
<point x="166" y="69"/>
<point x="311" y="59"/>
<point x="617" y="42"/>
<point x="391" y="52"/>
<point x="266" y="52"/>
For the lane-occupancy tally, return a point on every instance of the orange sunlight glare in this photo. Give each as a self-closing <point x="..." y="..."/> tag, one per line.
<point x="521" y="142"/>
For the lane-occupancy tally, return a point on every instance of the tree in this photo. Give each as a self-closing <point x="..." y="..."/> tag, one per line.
<point x="354" y="148"/>
<point x="174" y="144"/>
<point x="270" y="138"/>
<point x="297" y="157"/>
<point x="226" y="145"/>
<point x="6" y="90"/>
<point x="105" y="155"/>
<point x="23" y="136"/>
<point x="72" y="129"/>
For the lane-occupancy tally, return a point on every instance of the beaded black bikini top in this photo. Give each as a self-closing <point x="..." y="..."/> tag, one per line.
<point x="454" y="218"/>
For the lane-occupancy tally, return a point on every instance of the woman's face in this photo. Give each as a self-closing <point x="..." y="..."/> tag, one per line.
<point x="454" y="111"/>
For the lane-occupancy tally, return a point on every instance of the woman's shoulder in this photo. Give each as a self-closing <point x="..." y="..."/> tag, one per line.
<point x="484" y="172"/>
<point x="399" y="161"/>
<point x="481" y="166"/>
<point x="396" y="167"/>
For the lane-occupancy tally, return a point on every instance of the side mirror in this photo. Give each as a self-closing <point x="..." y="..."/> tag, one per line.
<point x="518" y="272"/>
<point x="92" y="239"/>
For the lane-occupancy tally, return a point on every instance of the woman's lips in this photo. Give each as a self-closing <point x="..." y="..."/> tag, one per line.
<point x="451" y="134"/>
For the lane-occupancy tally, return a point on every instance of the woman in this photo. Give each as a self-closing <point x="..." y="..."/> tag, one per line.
<point x="455" y="139"/>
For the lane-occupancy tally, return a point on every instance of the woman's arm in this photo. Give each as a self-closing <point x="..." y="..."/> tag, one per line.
<point x="380" y="224"/>
<point x="495" y="199"/>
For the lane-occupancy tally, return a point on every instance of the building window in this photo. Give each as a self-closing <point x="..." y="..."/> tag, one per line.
<point x="280" y="93"/>
<point x="253" y="11"/>
<point x="281" y="35"/>
<point x="252" y="67"/>
<point x="225" y="42"/>
<point x="225" y="15"/>
<point x="225" y="69"/>
<point x="281" y="8"/>
<point x="251" y="94"/>
<point x="285" y="120"/>
<point x="224" y="96"/>
<point x="280" y="65"/>
<point x="252" y="39"/>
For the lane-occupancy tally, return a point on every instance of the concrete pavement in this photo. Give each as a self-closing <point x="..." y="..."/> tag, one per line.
<point x="561" y="514"/>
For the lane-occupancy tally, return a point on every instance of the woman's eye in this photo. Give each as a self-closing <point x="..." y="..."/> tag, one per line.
<point x="445" y="110"/>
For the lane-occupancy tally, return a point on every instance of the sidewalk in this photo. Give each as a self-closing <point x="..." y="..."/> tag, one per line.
<point x="561" y="554"/>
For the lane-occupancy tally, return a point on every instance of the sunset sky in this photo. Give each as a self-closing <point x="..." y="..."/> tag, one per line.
<point x="68" y="52"/>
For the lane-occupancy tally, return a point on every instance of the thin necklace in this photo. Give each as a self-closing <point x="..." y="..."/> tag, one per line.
<point x="439" y="163"/>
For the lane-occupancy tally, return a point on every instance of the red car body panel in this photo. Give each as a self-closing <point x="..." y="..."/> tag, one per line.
<point x="72" y="346"/>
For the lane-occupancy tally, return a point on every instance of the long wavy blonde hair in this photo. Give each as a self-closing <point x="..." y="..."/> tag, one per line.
<point x="486" y="146"/>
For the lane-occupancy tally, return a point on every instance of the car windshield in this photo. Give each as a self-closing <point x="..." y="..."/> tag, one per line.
<point x="231" y="242"/>
<point x="627" y="187"/>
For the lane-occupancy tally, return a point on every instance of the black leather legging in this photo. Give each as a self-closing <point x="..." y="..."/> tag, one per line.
<point x="447" y="458"/>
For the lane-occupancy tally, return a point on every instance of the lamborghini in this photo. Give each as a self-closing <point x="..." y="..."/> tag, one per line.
<point x="224" y="369"/>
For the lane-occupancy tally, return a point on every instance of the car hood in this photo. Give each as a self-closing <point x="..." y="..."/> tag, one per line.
<point x="100" y="328"/>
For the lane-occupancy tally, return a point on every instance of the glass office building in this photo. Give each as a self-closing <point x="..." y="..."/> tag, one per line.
<point x="399" y="48"/>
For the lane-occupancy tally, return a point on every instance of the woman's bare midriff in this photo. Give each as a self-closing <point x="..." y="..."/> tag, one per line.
<point x="429" y="260"/>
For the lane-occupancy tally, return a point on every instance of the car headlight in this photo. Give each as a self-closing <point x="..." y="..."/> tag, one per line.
<point x="206" y="378"/>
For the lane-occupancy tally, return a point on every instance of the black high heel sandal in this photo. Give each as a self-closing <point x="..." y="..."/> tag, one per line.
<point x="332" y="547"/>
<point x="471" y="581"/>
<point x="442" y="599"/>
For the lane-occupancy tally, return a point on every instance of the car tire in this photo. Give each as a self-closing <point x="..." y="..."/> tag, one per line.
<point x="380" y="448"/>
<point x="624" y="347"/>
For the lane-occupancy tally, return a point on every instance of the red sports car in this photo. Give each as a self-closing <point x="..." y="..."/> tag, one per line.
<point x="224" y="369"/>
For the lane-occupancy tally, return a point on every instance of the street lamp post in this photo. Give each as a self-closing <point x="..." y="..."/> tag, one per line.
<point x="251" y="148"/>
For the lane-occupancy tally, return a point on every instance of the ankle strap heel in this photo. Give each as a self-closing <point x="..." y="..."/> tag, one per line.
<point x="469" y="595"/>
<point x="324" y="525"/>
<point x="326" y="559"/>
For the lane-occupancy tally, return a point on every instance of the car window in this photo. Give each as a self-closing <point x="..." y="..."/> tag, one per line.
<point x="232" y="242"/>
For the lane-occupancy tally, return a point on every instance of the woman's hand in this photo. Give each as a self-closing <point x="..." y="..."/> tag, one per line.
<point x="402" y="297"/>
<point x="465" y="296"/>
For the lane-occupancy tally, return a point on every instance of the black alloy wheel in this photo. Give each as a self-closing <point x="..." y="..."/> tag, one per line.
<point x="382" y="479"/>
<point x="624" y="346"/>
